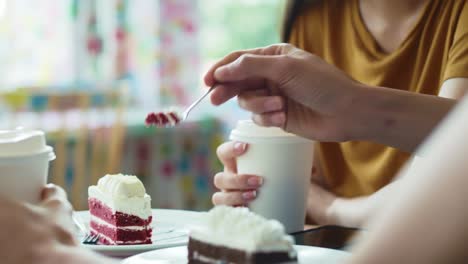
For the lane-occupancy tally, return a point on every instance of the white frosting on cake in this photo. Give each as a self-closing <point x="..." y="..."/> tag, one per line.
<point x="122" y="193"/>
<point x="238" y="228"/>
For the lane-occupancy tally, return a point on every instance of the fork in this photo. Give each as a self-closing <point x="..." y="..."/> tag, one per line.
<point x="89" y="239"/>
<point x="190" y="107"/>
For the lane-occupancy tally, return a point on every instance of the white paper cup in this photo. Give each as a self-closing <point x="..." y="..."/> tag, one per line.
<point x="24" y="164"/>
<point x="284" y="161"/>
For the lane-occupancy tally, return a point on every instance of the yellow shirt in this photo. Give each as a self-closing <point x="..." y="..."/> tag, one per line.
<point x="435" y="50"/>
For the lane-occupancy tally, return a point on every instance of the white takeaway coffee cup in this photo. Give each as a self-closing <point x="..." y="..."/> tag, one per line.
<point x="284" y="160"/>
<point x="24" y="164"/>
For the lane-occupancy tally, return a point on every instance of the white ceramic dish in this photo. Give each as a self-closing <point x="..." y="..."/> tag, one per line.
<point x="170" y="229"/>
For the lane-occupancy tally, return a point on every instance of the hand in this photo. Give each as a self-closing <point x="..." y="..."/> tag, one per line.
<point x="236" y="189"/>
<point x="287" y="87"/>
<point x="29" y="231"/>
<point x="319" y="202"/>
<point x="325" y="208"/>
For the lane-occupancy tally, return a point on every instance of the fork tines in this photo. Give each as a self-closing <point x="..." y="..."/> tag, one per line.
<point x="91" y="239"/>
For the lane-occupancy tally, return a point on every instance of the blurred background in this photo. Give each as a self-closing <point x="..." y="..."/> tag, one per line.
<point x="88" y="71"/>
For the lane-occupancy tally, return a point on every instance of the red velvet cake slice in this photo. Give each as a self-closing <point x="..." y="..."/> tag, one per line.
<point x="120" y="210"/>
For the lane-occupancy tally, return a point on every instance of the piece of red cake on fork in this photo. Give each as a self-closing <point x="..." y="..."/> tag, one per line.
<point x="120" y="210"/>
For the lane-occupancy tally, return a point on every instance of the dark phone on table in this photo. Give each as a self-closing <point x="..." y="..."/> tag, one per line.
<point x="335" y="237"/>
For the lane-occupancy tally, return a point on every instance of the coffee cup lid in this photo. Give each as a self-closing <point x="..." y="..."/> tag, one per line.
<point x="246" y="130"/>
<point x="23" y="142"/>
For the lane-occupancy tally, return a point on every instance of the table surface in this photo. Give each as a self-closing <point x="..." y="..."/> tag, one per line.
<point x="334" y="237"/>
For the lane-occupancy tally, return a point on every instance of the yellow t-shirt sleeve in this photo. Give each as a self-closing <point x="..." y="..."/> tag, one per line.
<point x="457" y="65"/>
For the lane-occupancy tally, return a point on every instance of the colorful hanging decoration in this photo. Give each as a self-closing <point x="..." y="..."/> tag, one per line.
<point x="179" y="69"/>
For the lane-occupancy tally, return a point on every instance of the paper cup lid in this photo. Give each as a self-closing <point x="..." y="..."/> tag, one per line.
<point x="22" y="142"/>
<point x="248" y="131"/>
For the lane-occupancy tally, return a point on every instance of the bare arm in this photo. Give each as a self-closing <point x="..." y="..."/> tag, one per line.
<point x="426" y="221"/>
<point x="397" y="118"/>
<point x="403" y="119"/>
<point x="314" y="99"/>
<point x="356" y="211"/>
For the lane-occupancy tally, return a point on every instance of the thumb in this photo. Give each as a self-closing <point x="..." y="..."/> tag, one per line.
<point x="250" y="66"/>
<point x="52" y="191"/>
<point x="55" y="200"/>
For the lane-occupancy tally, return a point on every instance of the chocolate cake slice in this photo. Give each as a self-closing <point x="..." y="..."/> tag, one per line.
<point x="236" y="235"/>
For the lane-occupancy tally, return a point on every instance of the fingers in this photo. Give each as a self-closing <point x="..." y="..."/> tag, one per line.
<point x="227" y="153"/>
<point x="267" y="110"/>
<point x="260" y="104"/>
<point x="237" y="189"/>
<point x="269" y="50"/>
<point x="55" y="200"/>
<point x="226" y="91"/>
<point x="51" y="191"/>
<point x="232" y="181"/>
<point x="234" y="198"/>
<point x="64" y="235"/>
<point x="252" y="66"/>
<point x="276" y="119"/>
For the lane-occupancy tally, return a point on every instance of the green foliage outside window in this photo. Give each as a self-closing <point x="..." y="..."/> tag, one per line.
<point x="228" y="25"/>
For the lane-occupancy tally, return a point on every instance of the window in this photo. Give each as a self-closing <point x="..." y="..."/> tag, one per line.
<point x="76" y="44"/>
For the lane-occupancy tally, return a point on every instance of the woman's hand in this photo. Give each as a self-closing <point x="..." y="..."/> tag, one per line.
<point x="287" y="87"/>
<point x="30" y="231"/>
<point x="235" y="189"/>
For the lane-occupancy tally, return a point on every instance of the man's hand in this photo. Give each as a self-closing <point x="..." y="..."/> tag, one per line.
<point x="287" y="87"/>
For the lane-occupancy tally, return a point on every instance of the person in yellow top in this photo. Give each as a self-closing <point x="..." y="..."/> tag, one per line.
<point x="363" y="81"/>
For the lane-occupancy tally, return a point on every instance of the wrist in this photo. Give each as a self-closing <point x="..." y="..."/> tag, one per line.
<point x="349" y="212"/>
<point x="365" y="114"/>
<point x="333" y="214"/>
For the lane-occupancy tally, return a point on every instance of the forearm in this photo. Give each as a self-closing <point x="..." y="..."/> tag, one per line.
<point x="396" y="118"/>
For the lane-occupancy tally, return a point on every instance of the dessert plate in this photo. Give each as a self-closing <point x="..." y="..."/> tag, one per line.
<point x="170" y="229"/>
<point x="178" y="255"/>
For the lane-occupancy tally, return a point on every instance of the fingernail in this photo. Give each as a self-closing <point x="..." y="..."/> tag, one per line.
<point x="239" y="147"/>
<point x="255" y="181"/>
<point x="249" y="195"/>
<point x="278" y="119"/>
<point x="272" y="105"/>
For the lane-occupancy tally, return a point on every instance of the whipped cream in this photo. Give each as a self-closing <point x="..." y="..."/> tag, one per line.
<point x="238" y="228"/>
<point x="123" y="193"/>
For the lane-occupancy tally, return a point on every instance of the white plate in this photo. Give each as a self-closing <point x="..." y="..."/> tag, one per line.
<point x="170" y="229"/>
<point x="178" y="255"/>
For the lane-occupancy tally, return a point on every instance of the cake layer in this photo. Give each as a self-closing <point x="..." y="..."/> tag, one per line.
<point x="121" y="236"/>
<point x="104" y="212"/>
<point x="202" y="252"/>
<point x="102" y="222"/>
<point x="104" y="240"/>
